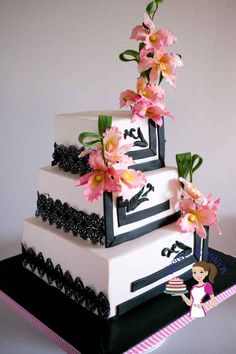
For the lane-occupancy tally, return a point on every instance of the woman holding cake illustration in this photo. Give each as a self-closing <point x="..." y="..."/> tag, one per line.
<point x="200" y="271"/>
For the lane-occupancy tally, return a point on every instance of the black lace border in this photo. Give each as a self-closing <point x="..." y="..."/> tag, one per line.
<point x="68" y="160"/>
<point x="87" y="226"/>
<point x="73" y="288"/>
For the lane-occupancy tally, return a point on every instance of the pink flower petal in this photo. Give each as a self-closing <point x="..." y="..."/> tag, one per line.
<point x="191" y="191"/>
<point x="141" y="83"/>
<point x="111" y="139"/>
<point x="127" y="98"/>
<point x="84" y="179"/>
<point x="139" y="33"/>
<point x="166" y="38"/>
<point x="184" y="223"/>
<point x="85" y="152"/>
<point x="154" y="74"/>
<point x="200" y="230"/>
<point x="110" y="185"/>
<point x="140" y="108"/>
<point x="156" y="112"/>
<point x="95" y="187"/>
<point x="148" y="22"/>
<point x="187" y="205"/>
<point x="146" y="63"/>
<point x="130" y="179"/>
<point x="96" y="161"/>
<point x="206" y="216"/>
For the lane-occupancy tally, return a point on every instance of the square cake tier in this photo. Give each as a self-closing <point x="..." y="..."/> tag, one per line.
<point x="150" y="207"/>
<point x="126" y="275"/>
<point x="147" y="138"/>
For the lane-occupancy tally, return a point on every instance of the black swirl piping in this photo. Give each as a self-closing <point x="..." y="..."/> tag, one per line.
<point x="73" y="288"/>
<point x="137" y="199"/>
<point x="140" y="140"/>
<point x="87" y="226"/>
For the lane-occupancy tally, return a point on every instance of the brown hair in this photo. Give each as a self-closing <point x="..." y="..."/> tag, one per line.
<point x="209" y="267"/>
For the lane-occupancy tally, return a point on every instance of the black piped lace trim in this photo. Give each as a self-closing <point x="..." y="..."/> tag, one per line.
<point x="67" y="159"/>
<point x="75" y="289"/>
<point x="87" y="226"/>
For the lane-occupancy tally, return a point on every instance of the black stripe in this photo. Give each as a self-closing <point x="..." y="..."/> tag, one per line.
<point x="125" y="219"/>
<point x="154" y="132"/>
<point x="132" y="234"/>
<point x="152" y="278"/>
<point x="128" y="305"/>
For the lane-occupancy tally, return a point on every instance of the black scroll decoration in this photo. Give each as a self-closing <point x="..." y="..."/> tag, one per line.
<point x="137" y="199"/>
<point x="67" y="159"/>
<point x="63" y="281"/>
<point x="140" y="140"/>
<point x="87" y="226"/>
<point x="178" y="247"/>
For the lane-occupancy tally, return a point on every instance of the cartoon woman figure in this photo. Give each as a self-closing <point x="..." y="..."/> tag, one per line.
<point x="200" y="271"/>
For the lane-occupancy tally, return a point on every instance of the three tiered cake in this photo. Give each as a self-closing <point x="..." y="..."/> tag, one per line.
<point x="115" y="244"/>
<point x="112" y="254"/>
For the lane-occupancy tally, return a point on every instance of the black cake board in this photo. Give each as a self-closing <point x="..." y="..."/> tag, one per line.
<point x="84" y="331"/>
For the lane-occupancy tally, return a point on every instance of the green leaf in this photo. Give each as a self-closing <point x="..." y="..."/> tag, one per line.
<point x="151" y="8"/>
<point x="129" y="55"/>
<point x="104" y="122"/>
<point x="159" y="1"/>
<point x="141" y="46"/>
<point x="194" y="167"/>
<point x="184" y="163"/>
<point x="188" y="164"/>
<point x="86" y="135"/>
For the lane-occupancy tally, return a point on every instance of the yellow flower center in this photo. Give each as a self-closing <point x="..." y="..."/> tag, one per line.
<point x="98" y="178"/>
<point x="144" y="93"/>
<point x="109" y="147"/>
<point x="191" y="218"/>
<point x="127" y="176"/>
<point x="163" y="67"/>
<point x="153" y="38"/>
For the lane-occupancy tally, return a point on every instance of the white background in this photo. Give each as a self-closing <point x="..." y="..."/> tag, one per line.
<point x="61" y="56"/>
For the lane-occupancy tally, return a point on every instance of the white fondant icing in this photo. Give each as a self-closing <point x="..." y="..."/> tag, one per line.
<point x="61" y="185"/>
<point x="111" y="270"/>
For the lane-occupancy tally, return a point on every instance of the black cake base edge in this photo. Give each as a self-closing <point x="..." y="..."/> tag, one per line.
<point x="85" y="331"/>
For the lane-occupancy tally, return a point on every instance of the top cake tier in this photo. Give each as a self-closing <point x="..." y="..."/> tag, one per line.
<point x="147" y="138"/>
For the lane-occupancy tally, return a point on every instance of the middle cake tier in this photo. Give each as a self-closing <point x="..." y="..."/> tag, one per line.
<point x="109" y="220"/>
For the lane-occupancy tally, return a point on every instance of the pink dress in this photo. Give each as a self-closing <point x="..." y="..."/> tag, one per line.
<point x="197" y="293"/>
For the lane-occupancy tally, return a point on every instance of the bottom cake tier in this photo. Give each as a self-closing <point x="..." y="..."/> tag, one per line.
<point x="110" y="281"/>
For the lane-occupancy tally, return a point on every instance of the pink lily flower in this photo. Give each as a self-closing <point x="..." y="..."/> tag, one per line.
<point x="162" y="62"/>
<point x="195" y="217"/>
<point x="151" y="92"/>
<point x="140" y="32"/>
<point x="129" y="179"/>
<point x="145" y="92"/>
<point x="145" y="109"/>
<point x="128" y="97"/>
<point x="100" y="180"/>
<point x="154" y="40"/>
<point x="156" y="113"/>
<point x="190" y="191"/>
<point x="113" y="152"/>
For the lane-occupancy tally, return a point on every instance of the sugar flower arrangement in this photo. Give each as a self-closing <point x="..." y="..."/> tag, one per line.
<point x="109" y="163"/>
<point x="197" y="211"/>
<point x="154" y="64"/>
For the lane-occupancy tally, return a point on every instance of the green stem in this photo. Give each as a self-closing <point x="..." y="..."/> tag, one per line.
<point x="103" y="152"/>
<point x="154" y="13"/>
<point x="191" y="175"/>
